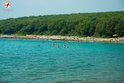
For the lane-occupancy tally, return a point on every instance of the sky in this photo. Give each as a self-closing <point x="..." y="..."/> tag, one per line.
<point x="20" y="8"/>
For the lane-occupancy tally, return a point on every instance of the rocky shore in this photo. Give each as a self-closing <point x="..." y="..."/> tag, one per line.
<point x="67" y="38"/>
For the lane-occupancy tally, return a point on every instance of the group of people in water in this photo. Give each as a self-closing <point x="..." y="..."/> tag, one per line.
<point x="58" y="46"/>
<point x="54" y="44"/>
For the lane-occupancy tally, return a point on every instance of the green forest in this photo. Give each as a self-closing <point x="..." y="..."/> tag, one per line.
<point x="104" y="24"/>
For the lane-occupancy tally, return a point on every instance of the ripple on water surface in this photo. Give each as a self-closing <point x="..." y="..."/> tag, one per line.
<point x="39" y="61"/>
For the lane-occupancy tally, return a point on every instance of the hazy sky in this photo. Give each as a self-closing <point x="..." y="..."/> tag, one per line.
<point x="20" y="8"/>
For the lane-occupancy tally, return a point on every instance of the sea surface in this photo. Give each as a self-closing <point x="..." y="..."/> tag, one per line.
<point x="47" y="61"/>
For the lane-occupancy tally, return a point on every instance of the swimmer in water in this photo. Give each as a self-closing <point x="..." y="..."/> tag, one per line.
<point x="38" y="45"/>
<point x="53" y="44"/>
<point x="64" y="46"/>
<point x="58" y="46"/>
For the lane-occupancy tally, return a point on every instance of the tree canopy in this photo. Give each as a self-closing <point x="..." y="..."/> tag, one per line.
<point x="104" y="24"/>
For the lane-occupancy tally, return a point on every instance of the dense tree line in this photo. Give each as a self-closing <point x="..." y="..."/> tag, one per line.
<point x="83" y="24"/>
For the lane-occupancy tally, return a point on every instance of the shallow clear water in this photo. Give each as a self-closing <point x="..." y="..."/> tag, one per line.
<point x="37" y="61"/>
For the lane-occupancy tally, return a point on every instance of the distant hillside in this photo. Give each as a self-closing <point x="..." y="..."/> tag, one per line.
<point x="83" y="24"/>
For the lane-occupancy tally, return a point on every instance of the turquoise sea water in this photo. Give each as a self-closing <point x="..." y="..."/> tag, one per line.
<point x="39" y="61"/>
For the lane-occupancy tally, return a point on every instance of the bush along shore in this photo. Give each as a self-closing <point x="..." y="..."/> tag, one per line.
<point x="66" y="38"/>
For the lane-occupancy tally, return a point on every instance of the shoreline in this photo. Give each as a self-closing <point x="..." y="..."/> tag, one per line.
<point x="66" y="38"/>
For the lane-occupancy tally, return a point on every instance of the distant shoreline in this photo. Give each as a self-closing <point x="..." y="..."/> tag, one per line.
<point x="66" y="38"/>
